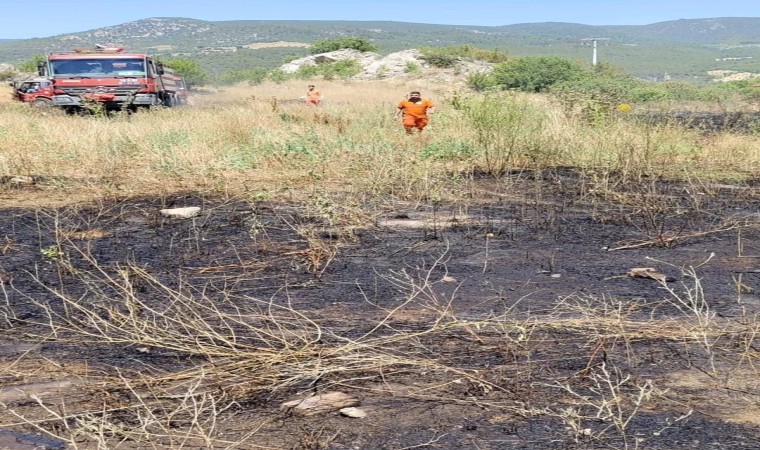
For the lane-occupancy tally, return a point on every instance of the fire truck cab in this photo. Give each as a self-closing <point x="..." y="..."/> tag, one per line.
<point x="110" y="77"/>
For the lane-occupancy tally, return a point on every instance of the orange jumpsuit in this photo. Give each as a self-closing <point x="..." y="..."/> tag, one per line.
<point x="415" y="114"/>
<point x="313" y="97"/>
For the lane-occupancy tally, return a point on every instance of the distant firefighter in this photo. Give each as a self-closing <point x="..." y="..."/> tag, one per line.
<point x="313" y="96"/>
<point x="416" y="112"/>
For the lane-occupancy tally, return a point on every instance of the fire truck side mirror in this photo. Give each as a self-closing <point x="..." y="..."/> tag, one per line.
<point x="159" y="68"/>
<point x="42" y="68"/>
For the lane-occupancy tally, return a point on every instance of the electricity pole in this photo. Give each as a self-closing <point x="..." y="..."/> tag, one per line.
<point x="593" y="41"/>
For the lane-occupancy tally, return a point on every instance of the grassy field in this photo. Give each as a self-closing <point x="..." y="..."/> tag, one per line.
<point x="261" y="139"/>
<point x="470" y="284"/>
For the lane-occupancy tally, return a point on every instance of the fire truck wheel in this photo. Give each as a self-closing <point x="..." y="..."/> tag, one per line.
<point x="42" y="102"/>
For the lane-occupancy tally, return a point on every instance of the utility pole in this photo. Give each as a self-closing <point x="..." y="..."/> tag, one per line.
<point x="593" y="41"/>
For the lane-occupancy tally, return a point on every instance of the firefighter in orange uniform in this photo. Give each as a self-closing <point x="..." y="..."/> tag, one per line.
<point x="416" y="111"/>
<point x="313" y="96"/>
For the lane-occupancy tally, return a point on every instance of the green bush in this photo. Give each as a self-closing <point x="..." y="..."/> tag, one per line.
<point x="7" y="75"/>
<point x="649" y="93"/>
<point x="536" y="73"/>
<point x="444" y="57"/>
<point x="441" y="57"/>
<point x="189" y="69"/>
<point x="596" y="94"/>
<point x="31" y="64"/>
<point x="340" y="69"/>
<point x="452" y="150"/>
<point x="306" y="72"/>
<point x="278" y="76"/>
<point x="331" y="45"/>
<point x="491" y="56"/>
<point x="480" y="81"/>
<point x="329" y="71"/>
<point x="411" y="67"/>
<point x="507" y="130"/>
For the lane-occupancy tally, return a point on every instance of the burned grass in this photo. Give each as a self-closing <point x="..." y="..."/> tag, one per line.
<point x="503" y="321"/>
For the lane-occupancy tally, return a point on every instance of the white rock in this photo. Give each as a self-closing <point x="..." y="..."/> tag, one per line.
<point x="353" y="412"/>
<point x="181" y="213"/>
<point x="393" y="65"/>
<point x="321" y="403"/>
<point x="22" y="179"/>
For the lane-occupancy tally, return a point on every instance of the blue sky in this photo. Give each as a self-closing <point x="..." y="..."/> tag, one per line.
<point x="42" y="18"/>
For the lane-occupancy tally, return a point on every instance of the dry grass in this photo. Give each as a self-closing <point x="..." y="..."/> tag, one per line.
<point x="241" y="139"/>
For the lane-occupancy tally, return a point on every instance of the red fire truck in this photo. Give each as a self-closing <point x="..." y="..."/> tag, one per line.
<point x="37" y="91"/>
<point x="112" y="78"/>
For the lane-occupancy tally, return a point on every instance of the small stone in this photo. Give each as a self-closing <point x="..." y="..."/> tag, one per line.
<point x="22" y="180"/>
<point x="356" y="413"/>
<point x="556" y="275"/>
<point x="648" y="272"/>
<point x="181" y="213"/>
<point x="322" y="403"/>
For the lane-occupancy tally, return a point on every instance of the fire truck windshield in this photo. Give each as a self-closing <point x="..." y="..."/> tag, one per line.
<point x="98" y="67"/>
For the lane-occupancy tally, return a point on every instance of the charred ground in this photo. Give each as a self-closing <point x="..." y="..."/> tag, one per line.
<point x="505" y="320"/>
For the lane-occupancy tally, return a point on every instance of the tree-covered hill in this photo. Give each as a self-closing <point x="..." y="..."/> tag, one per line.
<point x="682" y="49"/>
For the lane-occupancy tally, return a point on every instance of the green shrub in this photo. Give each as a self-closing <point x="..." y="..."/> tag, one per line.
<point x="449" y="150"/>
<point x="291" y="58"/>
<point x="536" y="73"/>
<point x="677" y="90"/>
<point x="491" y="56"/>
<point x="331" y="45"/>
<point x="444" y="57"/>
<point x="481" y="81"/>
<point x="306" y="72"/>
<point x="441" y="57"/>
<point x="329" y="71"/>
<point x="340" y="69"/>
<point x="507" y="130"/>
<point x="7" y="75"/>
<point x="649" y="93"/>
<point x="31" y="64"/>
<point x="596" y="94"/>
<point x="278" y="76"/>
<point x="189" y="69"/>
<point x="411" y="67"/>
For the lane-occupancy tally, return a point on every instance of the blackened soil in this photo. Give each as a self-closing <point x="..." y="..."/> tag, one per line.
<point x="546" y="256"/>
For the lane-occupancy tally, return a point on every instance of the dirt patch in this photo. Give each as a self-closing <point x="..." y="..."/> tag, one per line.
<point x="276" y="45"/>
<point x="508" y="322"/>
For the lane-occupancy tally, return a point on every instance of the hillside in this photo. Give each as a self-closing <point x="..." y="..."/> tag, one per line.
<point x="682" y="49"/>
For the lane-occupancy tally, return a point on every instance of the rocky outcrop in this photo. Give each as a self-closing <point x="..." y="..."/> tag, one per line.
<point x="362" y="58"/>
<point x="394" y="65"/>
